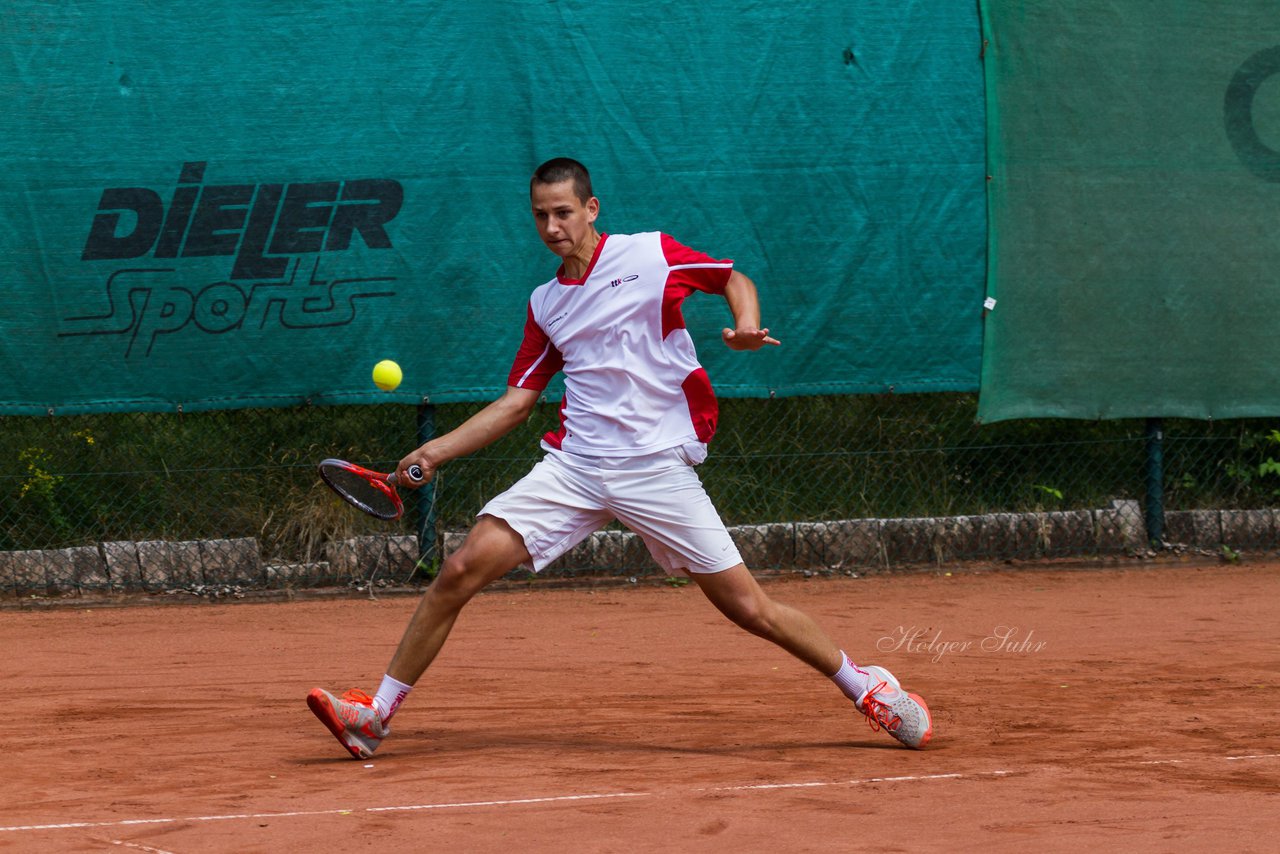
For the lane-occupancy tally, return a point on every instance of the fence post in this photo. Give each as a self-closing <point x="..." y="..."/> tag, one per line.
<point x="426" y="494"/>
<point x="1154" y="509"/>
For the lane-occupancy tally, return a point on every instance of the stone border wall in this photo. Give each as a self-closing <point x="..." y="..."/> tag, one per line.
<point x="868" y="545"/>
<point x="200" y="566"/>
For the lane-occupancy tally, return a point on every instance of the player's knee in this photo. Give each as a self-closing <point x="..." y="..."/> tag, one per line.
<point x="753" y="614"/>
<point x="459" y="578"/>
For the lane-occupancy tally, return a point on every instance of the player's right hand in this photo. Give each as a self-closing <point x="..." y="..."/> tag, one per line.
<point x="420" y="459"/>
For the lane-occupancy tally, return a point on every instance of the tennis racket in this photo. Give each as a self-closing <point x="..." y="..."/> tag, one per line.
<point x="368" y="490"/>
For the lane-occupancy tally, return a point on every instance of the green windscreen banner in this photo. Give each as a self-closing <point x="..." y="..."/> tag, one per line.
<point x="1134" y="154"/>
<point x="252" y="203"/>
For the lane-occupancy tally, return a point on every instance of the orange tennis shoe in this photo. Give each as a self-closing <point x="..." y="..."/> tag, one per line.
<point x="351" y="718"/>
<point x="887" y="707"/>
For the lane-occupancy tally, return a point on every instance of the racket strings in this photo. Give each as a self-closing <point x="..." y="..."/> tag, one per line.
<point x="373" y="496"/>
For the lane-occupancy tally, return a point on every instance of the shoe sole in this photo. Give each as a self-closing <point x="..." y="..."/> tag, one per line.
<point x="320" y="706"/>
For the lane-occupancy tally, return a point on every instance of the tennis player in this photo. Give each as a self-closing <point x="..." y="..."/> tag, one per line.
<point x="637" y="414"/>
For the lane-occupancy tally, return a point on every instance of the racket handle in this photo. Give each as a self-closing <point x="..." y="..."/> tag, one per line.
<point x="414" y="472"/>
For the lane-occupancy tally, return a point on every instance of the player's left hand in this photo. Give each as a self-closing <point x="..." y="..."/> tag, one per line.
<point x="747" y="338"/>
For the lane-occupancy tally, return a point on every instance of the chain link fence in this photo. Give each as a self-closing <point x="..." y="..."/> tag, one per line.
<point x="219" y="503"/>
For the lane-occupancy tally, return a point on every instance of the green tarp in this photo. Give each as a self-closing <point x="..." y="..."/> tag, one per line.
<point x="1134" y="154"/>
<point x="250" y="203"/>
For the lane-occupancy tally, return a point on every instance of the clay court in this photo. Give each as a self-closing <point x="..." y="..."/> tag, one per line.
<point x="1131" y="707"/>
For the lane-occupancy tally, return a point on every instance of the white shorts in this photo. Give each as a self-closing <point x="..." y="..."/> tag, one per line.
<point x="565" y="497"/>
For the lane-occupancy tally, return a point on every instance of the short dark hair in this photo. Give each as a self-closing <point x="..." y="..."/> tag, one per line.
<point x="560" y="169"/>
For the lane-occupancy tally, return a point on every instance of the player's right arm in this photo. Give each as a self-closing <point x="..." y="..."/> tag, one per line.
<point x="536" y="362"/>
<point x="480" y="430"/>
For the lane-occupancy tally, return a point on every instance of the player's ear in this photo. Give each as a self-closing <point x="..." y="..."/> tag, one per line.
<point x="593" y="209"/>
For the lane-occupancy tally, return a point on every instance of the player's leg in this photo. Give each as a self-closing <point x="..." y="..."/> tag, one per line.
<point x="545" y="514"/>
<point x="491" y="550"/>
<point x="668" y="507"/>
<point x="670" y="510"/>
<point x="358" y="721"/>
<point x="874" y="690"/>
<point x="736" y="594"/>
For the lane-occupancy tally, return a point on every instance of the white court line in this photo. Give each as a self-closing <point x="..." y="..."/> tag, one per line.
<point x="138" y="847"/>
<point x="133" y="822"/>
<point x="509" y="803"/>
<point x="766" y="786"/>
<point x="72" y="825"/>
<point x="1226" y="758"/>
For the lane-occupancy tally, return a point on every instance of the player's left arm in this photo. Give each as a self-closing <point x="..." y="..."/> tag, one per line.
<point x="740" y="293"/>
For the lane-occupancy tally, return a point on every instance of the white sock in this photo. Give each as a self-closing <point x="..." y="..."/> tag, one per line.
<point x="850" y="679"/>
<point x="390" y="695"/>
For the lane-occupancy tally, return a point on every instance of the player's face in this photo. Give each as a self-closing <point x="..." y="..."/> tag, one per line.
<point x="565" y="222"/>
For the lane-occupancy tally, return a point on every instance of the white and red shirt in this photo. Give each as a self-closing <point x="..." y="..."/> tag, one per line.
<point x="633" y="384"/>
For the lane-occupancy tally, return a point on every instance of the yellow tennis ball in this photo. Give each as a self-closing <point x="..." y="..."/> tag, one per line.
<point x="387" y="375"/>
